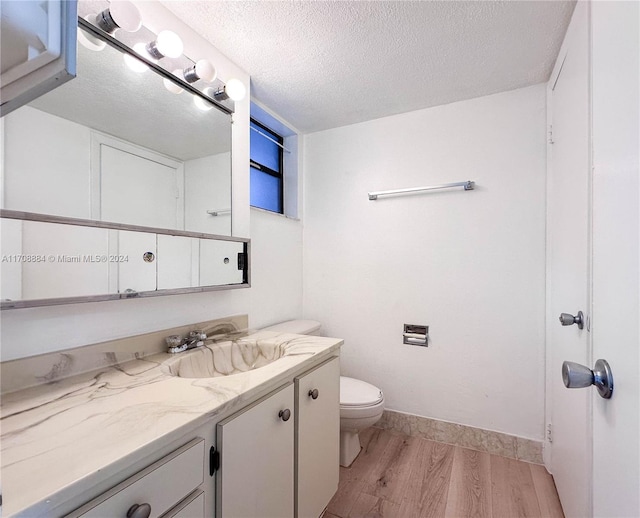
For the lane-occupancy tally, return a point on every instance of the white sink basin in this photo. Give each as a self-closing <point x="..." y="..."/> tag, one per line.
<point x="222" y="359"/>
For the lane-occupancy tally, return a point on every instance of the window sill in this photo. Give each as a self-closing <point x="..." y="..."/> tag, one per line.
<point x="277" y="214"/>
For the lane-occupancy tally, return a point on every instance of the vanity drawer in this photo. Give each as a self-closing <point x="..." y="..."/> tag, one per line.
<point x="189" y="508"/>
<point x="162" y="485"/>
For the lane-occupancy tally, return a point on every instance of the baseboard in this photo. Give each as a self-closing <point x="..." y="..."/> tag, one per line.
<point x="497" y="443"/>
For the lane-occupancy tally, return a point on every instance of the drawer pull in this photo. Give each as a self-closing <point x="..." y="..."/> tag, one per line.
<point x="139" y="511"/>
<point x="285" y="414"/>
<point x="313" y="394"/>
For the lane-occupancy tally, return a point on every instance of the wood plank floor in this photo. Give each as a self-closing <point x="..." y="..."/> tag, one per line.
<point x="398" y="476"/>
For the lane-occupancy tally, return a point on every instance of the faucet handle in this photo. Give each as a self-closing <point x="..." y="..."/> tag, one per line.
<point x="175" y="343"/>
<point x="174" y="340"/>
<point x="200" y="335"/>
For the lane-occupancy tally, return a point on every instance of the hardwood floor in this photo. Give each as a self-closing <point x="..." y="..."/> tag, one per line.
<point x="398" y="476"/>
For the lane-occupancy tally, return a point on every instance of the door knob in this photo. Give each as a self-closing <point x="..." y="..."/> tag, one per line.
<point x="575" y="375"/>
<point x="313" y="394"/>
<point x="139" y="511"/>
<point x="284" y="414"/>
<point x="566" y="319"/>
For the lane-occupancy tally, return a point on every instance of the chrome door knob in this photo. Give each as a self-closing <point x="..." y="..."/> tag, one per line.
<point x="567" y="319"/>
<point x="575" y="375"/>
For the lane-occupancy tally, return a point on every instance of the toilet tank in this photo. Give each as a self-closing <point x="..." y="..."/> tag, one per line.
<point x="299" y="327"/>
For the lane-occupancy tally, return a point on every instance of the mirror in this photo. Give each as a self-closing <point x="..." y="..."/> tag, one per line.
<point x="113" y="165"/>
<point x="116" y="145"/>
<point x="56" y="262"/>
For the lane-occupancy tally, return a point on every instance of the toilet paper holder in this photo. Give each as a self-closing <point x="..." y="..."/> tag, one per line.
<point x="416" y="335"/>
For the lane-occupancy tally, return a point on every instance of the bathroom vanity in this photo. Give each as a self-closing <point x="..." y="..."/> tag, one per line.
<point x="136" y="439"/>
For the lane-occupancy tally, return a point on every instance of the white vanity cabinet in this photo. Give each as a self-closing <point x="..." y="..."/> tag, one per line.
<point x="318" y="438"/>
<point x="165" y="488"/>
<point x="276" y="457"/>
<point x="256" y="459"/>
<point x="279" y="458"/>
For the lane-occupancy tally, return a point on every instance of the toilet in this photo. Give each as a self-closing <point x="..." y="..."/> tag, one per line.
<point x="361" y="404"/>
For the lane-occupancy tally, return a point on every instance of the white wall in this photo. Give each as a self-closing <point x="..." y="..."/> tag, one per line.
<point x="207" y="184"/>
<point x="468" y="264"/>
<point x="48" y="164"/>
<point x="276" y="276"/>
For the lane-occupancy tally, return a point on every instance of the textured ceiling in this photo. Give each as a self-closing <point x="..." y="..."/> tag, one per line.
<point x="322" y="64"/>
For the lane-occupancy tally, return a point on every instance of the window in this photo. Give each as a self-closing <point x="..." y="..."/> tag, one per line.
<point x="267" y="185"/>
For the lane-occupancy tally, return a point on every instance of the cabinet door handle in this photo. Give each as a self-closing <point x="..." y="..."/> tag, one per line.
<point x="139" y="511"/>
<point x="313" y="394"/>
<point x="285" y="414"/>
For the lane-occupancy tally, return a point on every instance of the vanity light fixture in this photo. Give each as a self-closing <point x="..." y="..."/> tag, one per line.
<point x="120" y="15"/>
<point x="167" y="43"/>
<point x="202" y="69"/>
<point x="135" y="64"/>
<point x="234" y="90"/>
<point x="171" y="86"/>
<point x="152" y="49"/>
<point x="201" y="103"/>
<point x="89" y="41"/>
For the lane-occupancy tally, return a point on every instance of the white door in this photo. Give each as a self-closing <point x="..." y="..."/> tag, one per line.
<point x="568" y="274"/>
<point x="135" y="186"/>
<point x="616" y="257"/>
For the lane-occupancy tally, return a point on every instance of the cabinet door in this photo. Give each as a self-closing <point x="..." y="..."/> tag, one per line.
<point x="255" y="479"/>
<point x="318" y="438"/>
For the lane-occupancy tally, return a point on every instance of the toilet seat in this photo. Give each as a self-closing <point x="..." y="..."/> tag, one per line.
<point x="358" y="393"/>
<point x="359" y="399"/>
<point x="361" y="412"/>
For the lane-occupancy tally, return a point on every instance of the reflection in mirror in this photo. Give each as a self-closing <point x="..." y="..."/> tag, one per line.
<point x="116" y="145"/>
<point x="42" y="260"/>
<point x="45" y="260"/>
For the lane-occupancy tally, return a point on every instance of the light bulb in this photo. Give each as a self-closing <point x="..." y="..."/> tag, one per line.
<point x="120" y="15"/>
<point x="201" y="103"/>
<point x="167" y="44"/>
<point x="89" y="41"/>
<point x="203" y="69"/>
<point x="171" y="86"/>
<point x="235" y="89"/>
<point x="133" y="63"/>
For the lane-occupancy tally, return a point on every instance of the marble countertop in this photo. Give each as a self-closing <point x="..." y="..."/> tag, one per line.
<point x="56" y="435"/>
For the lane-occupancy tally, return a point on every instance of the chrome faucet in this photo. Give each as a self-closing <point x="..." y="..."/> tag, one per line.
<point x="178" y="344"/>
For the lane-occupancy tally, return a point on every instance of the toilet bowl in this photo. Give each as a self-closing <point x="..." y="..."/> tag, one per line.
<point x="361" y="404"/>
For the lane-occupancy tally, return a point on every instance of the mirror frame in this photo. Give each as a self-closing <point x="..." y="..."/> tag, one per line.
<point x="224" y="106"/>
<point x="32" y="216"/>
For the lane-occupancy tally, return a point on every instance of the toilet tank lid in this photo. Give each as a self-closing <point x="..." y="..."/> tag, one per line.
<point x="355" y="392"/>
<point x="299" y="327"/>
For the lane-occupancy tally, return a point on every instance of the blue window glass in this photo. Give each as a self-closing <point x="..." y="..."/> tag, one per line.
<point x="266" y="168"/>
<point x="264" y="151"/>
<point x="265" y="191"/>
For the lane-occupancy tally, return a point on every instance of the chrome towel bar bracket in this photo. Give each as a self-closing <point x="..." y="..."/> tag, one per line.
<point x="468" y="186"/>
